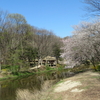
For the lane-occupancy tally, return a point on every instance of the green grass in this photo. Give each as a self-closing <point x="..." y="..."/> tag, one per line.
<point x="59" y="82"/>
<point x="97" y="77"/>
<point x="15" y="75"/>
<point x="8" y="77"/>
<point x="86" y="87"/>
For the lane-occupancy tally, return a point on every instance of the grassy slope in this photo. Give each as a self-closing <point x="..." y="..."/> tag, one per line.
<point x="90" y="86"/>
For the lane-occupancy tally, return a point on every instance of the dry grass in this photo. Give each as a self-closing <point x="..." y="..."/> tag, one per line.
<point x="36" y="95"/>
<point x="88" y="90"/>
<point x="66" y="85"/>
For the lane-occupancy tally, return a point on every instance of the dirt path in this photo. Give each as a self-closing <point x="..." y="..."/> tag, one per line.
<point x="83" y="86"/>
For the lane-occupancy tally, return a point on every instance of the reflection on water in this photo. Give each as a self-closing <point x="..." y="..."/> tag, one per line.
<point x="34" y="82"/>
<point x="8" y="88"/>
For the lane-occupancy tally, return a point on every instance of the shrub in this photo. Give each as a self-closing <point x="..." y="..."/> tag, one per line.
<point x="5" y="66"/>
<point x="98" y="67"/>
<point x="48" y="67"/>
<point x="14" y="68"/>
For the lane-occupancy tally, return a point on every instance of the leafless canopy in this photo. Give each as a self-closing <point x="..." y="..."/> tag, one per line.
<point x="93" y="7"/>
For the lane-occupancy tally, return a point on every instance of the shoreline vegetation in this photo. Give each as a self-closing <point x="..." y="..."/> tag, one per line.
<point x="6" y="75"/>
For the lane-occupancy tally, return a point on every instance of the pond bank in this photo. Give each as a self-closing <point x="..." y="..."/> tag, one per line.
<point x="10" y="75"/>
<point x="82" y="86"/>
<point x="33" y="83"/>
<point x="52" y="72"/>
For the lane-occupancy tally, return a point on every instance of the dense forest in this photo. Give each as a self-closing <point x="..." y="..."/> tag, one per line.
<point x="21" y="43"/>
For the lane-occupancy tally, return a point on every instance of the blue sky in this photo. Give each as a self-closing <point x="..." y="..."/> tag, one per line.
<point x="55" y="15"/>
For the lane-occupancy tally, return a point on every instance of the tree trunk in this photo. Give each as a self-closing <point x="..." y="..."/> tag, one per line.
<point x="93" y="63"/>
<point x="0" y="61"/>
<point x="57" y="60"/>
<point x="0" y="66"/>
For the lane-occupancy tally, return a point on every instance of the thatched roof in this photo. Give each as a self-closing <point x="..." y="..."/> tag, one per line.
<point x="49" y="58"/>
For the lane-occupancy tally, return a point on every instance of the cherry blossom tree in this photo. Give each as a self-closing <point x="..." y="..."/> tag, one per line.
<point x="84" y="44"/>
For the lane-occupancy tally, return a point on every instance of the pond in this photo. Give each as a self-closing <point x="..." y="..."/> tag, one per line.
<point x="34" y="82"/>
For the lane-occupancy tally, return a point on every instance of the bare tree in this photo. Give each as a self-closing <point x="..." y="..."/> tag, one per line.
<point x="45" y="41"/>
<point x="93" y="7"/>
